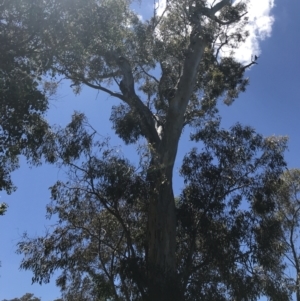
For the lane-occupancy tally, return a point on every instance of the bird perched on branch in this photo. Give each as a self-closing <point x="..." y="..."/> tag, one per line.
<point x="254" y="58"/>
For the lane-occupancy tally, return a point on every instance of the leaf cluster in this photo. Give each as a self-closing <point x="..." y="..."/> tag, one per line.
<point x="22" y="103"/>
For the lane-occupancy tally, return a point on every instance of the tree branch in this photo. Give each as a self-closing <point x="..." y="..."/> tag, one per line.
<point x="178" y="104"/>
<point x="219" y="6"/>
<point x="248" y="65"/>
<point x="228" y="22"/>
<point x="151" y="76"/>
<point x="98" y="87"/>
<point x="210" y="12"/>
<point x="109" y="75"/>
<point x="220" y="47"/>
<point x="145" y="119"/>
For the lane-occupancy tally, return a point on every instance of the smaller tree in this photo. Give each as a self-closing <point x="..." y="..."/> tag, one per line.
<point x="288" y="199"/>
<point x="26" y="297"/>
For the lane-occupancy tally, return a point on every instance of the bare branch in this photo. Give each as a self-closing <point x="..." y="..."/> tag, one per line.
<point x="220" y="47"/>
<point x="248" y="65"/>
<point x="151" y="76"/>
<point x="145" y="116"/>
<point x="98" y="87"/>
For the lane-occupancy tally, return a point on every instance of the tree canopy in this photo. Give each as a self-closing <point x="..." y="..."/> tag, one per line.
<point x="121" y="234"/>
<point x="288" y="200"/>
<point x="224" y="247"/>
<point x="22" y="102"/>
<point x="28" y="297"/>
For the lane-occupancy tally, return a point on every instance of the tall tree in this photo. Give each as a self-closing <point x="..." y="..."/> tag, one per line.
<point x="106" y="46"/>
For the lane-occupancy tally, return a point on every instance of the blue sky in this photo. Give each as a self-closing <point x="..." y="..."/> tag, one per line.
<point x="271" y="105"/>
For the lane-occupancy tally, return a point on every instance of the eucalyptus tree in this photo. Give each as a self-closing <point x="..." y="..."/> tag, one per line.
<point x="168" y="74"/>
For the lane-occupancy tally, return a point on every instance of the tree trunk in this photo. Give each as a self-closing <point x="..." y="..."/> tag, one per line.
<point x="162" y="238"/>
<point x="163" y="281"/>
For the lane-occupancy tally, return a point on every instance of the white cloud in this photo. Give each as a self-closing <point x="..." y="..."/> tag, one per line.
<point x="140" y="17"/>
<point x="160" y="6"/>
<point x="259" y="26"/>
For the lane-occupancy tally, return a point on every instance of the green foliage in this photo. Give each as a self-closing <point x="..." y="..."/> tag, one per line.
<point x="22" y="103"/>
<point x="287" y="199"/>
<point x="233" y="245"/>
<point x="124" y="123"/>
<point x="3" y="208"/>
<point x="26" y="297"/>
<point x="120" y="233"/>
<point x="83" y="41"/>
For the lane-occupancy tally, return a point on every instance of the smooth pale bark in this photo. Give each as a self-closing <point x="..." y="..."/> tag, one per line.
<point x="161" y="216"/>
